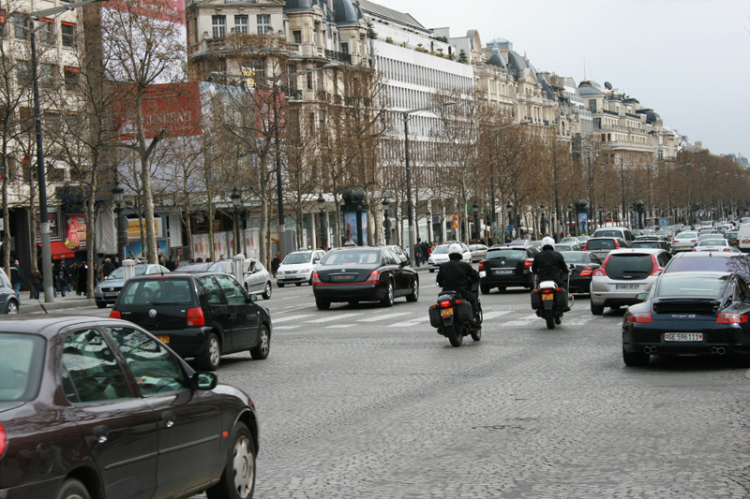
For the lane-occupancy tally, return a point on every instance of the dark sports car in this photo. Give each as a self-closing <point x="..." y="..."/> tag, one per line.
<point x="586" y="263"/>
<point x="703" y="313"/>
<point x="360" y="273"/>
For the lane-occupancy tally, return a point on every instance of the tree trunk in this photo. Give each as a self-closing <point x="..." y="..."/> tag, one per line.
<point x="144" y="153"/>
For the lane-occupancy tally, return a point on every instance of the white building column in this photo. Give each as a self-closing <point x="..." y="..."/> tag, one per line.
<point x="442" y="223"/>
<point x="315" y="228"/>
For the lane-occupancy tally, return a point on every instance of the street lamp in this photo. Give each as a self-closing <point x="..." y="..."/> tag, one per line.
<point x="409" y="202"/>
<point x="236" y="202"/>
<point x="321" y="214"/>
<point x="570" y="214"/>
<point x="475" y="209"/>
<point x="541" y="220"/>
<point x="386" y="222"/>
<point x="117" y="195"/>
<point x="510" y="218"/>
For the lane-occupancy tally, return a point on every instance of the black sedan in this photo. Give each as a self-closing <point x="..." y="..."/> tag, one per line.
<point x="505" y="266"/>
<point x="586" y="263"/>
<point x="357" y="274"/>
<point x="688" y="313"/>
<point x="100" y="408"/>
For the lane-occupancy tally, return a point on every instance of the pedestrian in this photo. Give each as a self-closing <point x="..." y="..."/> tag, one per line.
<point x="83" y="278"/>
<point x="72" y="276"/>
<point x="16" y="278"/>
<point x="107" y="268"/>
<point x="171" y="265"/>
<point x="36" y="282"/>
<point x="275" y="264"/>
<point x="62" y="278"/>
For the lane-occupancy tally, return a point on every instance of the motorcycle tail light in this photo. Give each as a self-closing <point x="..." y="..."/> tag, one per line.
<point x="115" y="314"/>
<point x="481" y="265"/>
<point x="445" y="303"/>
<point x="548" y="290"/>
<point x="729" y="318"/>
<point x="195" y="317"/>
<point x="459" y="302"/>
<point x="586" y="272"/>
<point x="642" y="318"/>
<point x="374" y="277"/>
<point x="316" y="279"/>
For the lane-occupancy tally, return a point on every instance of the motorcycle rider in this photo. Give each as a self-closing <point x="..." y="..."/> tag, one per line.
<point x="549" y="265"/>
<point x="456" y="275"/>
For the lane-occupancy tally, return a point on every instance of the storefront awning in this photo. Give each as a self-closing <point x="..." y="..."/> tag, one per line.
<point x="59" y="250"/>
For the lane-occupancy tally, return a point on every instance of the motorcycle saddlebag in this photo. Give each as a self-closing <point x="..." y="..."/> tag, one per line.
<point x="536" y="300"/>
<point x="435" y="320"/>
<point x="561" y="299"/>
<point x="464" y="311"/>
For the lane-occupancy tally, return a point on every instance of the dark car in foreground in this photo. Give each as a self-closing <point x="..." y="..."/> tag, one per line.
<point x="202" y="315"/>
<point x="688" y="313"/>
<point x="506" y="266"/>
<point x="363" y="273"/>
<point x="98" y="408"/>
<point x="585" y="265"/>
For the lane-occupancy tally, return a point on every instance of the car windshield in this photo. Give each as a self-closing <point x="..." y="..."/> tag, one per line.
<point x="440" y="250"/>
<point x="352" y="257"/>
<point x="294" y="258"/>
<point x="156" y="291"/>
<point x="505" y="253"/>
<point x="686" y="235"/>
<point x="713" y="264"/>
<point x="680" y="285"/>
<point x="574" y="257"/>
<point x="21" y="361"/>
<point x="117" y="274"/>
<point x="713" y="242"/>
<point x="599" y="244"/>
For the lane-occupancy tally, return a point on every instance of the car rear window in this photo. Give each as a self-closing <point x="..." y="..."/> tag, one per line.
<point x="440" y="250"/>
<point x="630" y="265"/>
<point x="600" y="244"/>
<point x="157" y="291"/>
<point x="686" y="235"/>
<point x="644" y="244"/>
<point x="574" y="257"/>
<point x="608" y="233"/>
<point x="510" y="254"/>
<point x="713" y="264"/>
<point x="680" y="285"/>
<point x="21" y="361"/>
<point x="713" y="242"/>
<point x="356" y="257"/>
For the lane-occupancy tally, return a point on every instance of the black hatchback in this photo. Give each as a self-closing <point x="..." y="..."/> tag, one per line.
<point x="202" y="315"/>
<point x="505" y="266"/>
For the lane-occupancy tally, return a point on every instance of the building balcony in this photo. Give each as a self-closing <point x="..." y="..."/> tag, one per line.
<point x="338" y="56"/>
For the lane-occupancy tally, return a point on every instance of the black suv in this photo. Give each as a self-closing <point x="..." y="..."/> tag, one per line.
<point x="201" y="315"/>
<point x="505" y="266"/>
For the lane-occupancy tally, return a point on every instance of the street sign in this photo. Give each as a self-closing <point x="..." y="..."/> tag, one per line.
<point x="510" y="228"/>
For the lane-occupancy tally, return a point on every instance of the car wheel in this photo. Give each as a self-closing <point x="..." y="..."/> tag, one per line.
<point x="322" y="304"/>
<point x="309" y="281"/>
<point x="12" y="308"/>
<point x="387" y="300"/>
<point x="485" y="289"/>
<point x="414" y="296"/>
<point x="596" y="309"/>
<point x="634" y="359"/>
<point x="280" y="284"/>
<point x="238" y="479"/>
<point x="101" y="304"/>
<point x="73" y="489"/>
<point x="260" y="351"/>
<point x="211" y="356"/>
<point x="267" y="293"/>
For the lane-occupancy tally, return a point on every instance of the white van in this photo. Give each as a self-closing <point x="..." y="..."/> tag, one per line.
<point x="743" y="236"/>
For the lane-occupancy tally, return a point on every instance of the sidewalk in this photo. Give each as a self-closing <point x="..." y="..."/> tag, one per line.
<point x="31" y="306"/>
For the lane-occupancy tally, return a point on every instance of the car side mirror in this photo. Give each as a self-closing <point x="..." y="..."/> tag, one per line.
<point x="641" y="297"/>
<point x="205" y="381"/>
<point x="251" y="299"/>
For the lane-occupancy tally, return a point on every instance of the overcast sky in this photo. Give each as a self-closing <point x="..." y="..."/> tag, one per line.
<point x="689" y="60"/>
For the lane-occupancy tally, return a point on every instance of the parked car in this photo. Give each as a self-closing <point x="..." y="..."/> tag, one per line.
<point x="693" y="313"/>
<point x="684" y="241"/>
<point x="586" y="263"/>
<point x="616" y="232"/>
<point x="477" y="252"/>
<point x="8" y="301"/>
<point x="710" y="262"/>
<point x="200" y="315"/>
<point x="363" y="273"/>
<point x="440" y="255"/>
<point x="99" y="408"/>
<point x="601" y="246"/>
<point x="507" y="266"/>
<point x="256" y="278"/>
<point x="298" y="267"/>
<point x="106" y="292"/>
<point x="625" y="274"/>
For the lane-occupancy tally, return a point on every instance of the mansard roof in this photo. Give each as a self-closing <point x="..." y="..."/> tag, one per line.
<point x="386" y="13"/>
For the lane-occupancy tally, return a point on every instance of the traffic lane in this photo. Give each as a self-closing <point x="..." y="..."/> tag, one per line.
<point x="375" y="411"/>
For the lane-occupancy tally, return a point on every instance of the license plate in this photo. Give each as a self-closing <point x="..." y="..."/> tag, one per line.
<point x="683" y="336"/>
<point x="343" y="277"/>
<point x="446" y="312"/>
<point x="113" y="293"/>
<point x="504" y="272"/>
<point x="548" y="296"/>
<point x="163" y="339"/>
<point x="627" y="286"/>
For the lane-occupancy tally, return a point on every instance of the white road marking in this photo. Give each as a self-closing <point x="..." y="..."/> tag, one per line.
<point x="334" y="318"/>
<point x="277" y="328"/>
<point x="288" y="318"/>
<point x="378" y="318"/>
<point x="492" y="315"/>
<point x="410" y="323"/>
<point x="522" y="321"/>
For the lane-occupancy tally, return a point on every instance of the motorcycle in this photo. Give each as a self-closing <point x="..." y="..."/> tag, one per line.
<point x="452" y="316"/>
<point x="549" y="300"/>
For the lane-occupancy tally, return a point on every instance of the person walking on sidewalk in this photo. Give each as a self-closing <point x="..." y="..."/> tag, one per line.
<point x="36" y="282"/>
<point x="16" y="278"/>
<point x="62" y="278"/>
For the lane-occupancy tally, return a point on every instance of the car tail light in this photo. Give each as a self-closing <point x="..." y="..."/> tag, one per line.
<point x="675" y="241"/>
<point x="695" y="249"/>
<point x="3" y="439"/>
<point x="655" y="270"/>
<point x="693" y="240"/>
<point x="586" y="271"/>
<point x="586" y="246"/>
<point x="374" y="277"/>
<point x="316" y="279"/>
<point x="726" y="249"/>
<point x="481" y="265"/>
<point x="729" y="318"/>
<point x="617" y="245"/>
<point x="528" y="263"/>
<point x="599" y="273"/>
<point x="445" y="303"/>
<point x="115" y="314"/>
<point x="195" y="317"/>
<point x="641" y="318"/>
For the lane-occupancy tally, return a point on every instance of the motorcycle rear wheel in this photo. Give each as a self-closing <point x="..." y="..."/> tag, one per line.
<point x="454" y="335"/>
<point x="476" y="334"/>
<point x="549" y="316"/>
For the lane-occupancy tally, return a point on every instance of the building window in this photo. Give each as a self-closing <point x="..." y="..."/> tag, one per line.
<point x="47" y="75"/>
<point x="264" y="24"/>
<point x="21" y="25"/>
<point x="345" y="48"/>
<point x="47" y="32"/>
<point x="23" y="73"/>
<point x="68" y="34"/>
<point x="297" y="37"/>
<point x="240" y="25"/>
<point x="309" y="81"/>
<point x="71" y="78"/>
<point x="219" y="24"/>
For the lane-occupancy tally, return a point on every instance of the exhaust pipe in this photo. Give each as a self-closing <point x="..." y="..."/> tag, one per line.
<point x="718" y="350"/>
<point x="649" y="350"/>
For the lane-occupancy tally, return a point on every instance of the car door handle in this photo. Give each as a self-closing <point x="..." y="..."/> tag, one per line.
<point x="168" y="418"/>
<point x="232" y="316"/>
<point x="100" y="432"/>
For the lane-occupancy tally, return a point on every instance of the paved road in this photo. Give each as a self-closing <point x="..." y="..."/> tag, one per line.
<point x="371" y="402"/>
